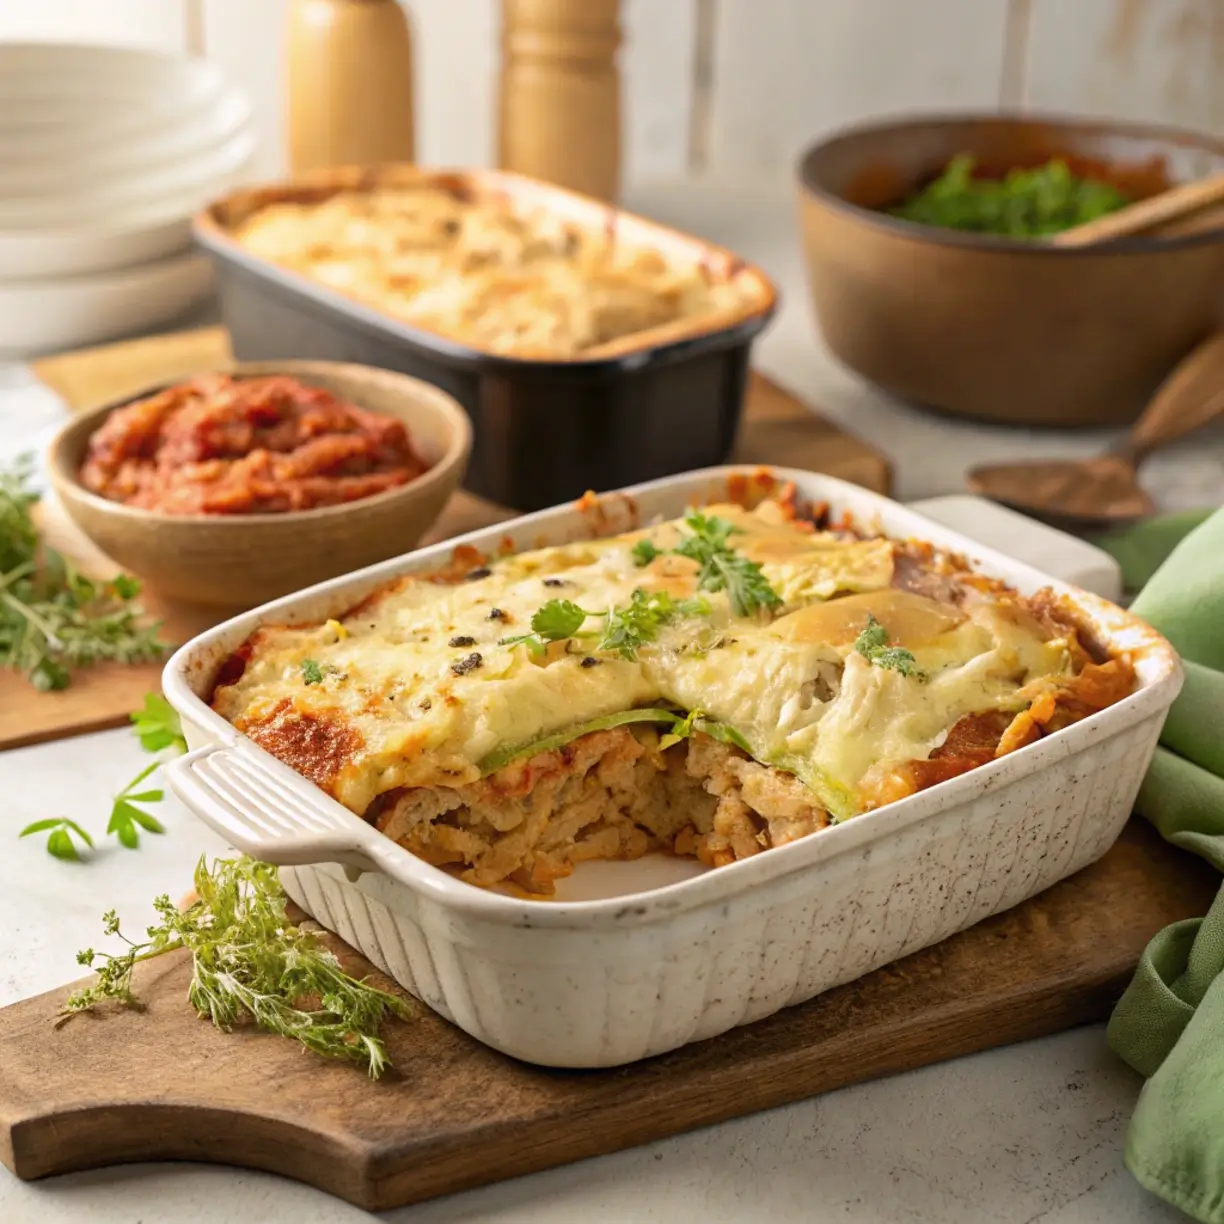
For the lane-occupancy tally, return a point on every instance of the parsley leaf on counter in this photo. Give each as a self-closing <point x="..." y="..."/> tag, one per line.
<point x="157" y="725"/>
<point x="873" y="645"/>
<point x="60" y="844"/>
<point x="53" y="618"/>
<point x="127" y="819"/>
<point x="250" y="962"/>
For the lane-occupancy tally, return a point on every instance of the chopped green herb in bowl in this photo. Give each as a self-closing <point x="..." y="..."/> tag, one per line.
<point x="1031" y="203"/>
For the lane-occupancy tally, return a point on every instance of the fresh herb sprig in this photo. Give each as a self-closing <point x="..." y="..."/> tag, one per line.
<point x="873" y="645"/>
<point x="60" y="832"/>
<point x="158" y="728"/>
<point x="250" y="963"/>
<point x="625" y="630"/>
<point x="721" y="568"/>
<point x="1027" y="202"/>
<point x="126" y="819"/>
<point x="53" y="618"/>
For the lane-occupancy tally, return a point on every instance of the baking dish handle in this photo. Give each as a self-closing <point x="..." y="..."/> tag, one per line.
<point x="262" y="809"/>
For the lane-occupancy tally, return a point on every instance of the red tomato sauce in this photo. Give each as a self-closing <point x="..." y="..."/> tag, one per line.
<point x="224" y="445"/>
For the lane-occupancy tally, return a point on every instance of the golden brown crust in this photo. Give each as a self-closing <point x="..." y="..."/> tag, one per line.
<point x="317" y="748"/>
<point x="482" y="271"/>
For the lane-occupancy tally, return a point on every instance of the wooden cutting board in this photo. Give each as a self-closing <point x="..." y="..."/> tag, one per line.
<point x="778" y="428"/>
<point x="162" y="1084"/>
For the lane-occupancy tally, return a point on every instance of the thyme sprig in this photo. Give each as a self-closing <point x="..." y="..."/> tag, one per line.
<point x="249" y="964"/>
<point x="53" y="618"/>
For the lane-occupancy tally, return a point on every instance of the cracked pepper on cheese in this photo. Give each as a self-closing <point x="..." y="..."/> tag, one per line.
<point x="714" y="686"/>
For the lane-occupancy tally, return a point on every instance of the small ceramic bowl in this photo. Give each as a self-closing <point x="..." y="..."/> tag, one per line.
<point x="242" y="560"/>
<point x="1001" y="329"/>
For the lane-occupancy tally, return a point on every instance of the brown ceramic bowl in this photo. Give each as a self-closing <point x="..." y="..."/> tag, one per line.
<point x="1001" y="329"/>
<point x="239" y="561"/>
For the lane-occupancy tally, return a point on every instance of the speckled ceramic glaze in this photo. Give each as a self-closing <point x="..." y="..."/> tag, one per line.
<point x="635" y="959"/>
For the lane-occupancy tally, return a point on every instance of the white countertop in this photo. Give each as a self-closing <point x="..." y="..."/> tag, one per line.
<point x="1032" y="1132"/>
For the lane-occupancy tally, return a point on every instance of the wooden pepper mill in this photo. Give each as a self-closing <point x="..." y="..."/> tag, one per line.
<point x="560" y="93"/>
<point x="350" y="84"/>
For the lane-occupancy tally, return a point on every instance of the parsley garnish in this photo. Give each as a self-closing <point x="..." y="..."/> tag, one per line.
<point x="629" y="628"/>
<point x="721" y="567"/>
<point x="158" y="727"/>
<point x="249" y="961"/>
<point x="625" y="629"/>
<point x="644" y="552"/>
<point x="53" y="618"/>
<point x="126" y="818"/>
<point x="60" y="843"/>
<point x="557" y="620"/>
<point x="873" y="645"/>
<point x="312" y="673"/>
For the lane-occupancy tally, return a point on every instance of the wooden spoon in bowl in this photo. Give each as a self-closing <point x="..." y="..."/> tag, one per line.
<point x="1104" y="490"/>
<point x="1182" y="209"/>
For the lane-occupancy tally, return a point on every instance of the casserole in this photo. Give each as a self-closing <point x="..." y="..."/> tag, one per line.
<point x="660" y="401"/>
<point x="634" y="959"/>
<point x="485" y="272"/>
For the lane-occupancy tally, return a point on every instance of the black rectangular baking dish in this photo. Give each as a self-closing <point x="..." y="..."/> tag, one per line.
<point x="653" y="404"/>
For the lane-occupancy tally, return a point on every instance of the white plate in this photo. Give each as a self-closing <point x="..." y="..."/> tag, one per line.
<point x="137" y="238"/>
<point x="44" y="166"/>
<point x="72" y="312"/>
<point x="73" y="95"/>
<point x="100" y="199"/>
<point x="107" y="152"/>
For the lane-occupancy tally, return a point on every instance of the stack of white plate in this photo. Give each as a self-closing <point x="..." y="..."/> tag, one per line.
<point x="105" y="154"/>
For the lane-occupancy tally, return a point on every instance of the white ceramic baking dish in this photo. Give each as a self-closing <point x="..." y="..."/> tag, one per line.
<point x="633" y="959"/>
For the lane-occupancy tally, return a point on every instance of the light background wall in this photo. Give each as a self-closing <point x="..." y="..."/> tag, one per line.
<point x="733" y="88"/>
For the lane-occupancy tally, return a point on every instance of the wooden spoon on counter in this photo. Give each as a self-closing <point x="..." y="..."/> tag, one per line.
<point x="1105" y="490"/>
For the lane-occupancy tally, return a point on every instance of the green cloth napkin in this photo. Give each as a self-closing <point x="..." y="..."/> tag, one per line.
<point x="1169" y="1025"/>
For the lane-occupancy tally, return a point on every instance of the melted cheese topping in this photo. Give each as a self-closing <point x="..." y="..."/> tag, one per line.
<point x="478" y="271"/>
<point x="424" y="688"/>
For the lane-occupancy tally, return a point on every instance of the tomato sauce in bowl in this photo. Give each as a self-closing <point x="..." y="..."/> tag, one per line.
<point x="219" y="445"/>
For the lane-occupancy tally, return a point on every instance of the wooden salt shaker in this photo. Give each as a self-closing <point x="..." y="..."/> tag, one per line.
<point x="350" y="84"/>
<point x="560" y="93"/>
